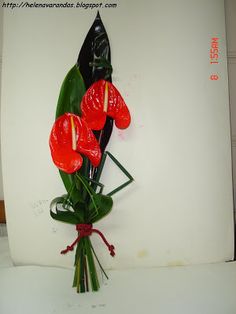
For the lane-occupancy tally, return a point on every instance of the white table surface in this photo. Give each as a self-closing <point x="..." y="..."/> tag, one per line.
<point x="202" y="289"/>
<point x="5" y="258"/>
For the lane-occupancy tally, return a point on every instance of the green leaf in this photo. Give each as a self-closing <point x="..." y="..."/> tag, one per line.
<point x="71" y="93"/>
<point x="103" y="207"/>
<point x="59" y="200"/>
<point x="68" y="180"/>
<point x="75" y="192"/>
<point x="128" y="175"/>
<point x="65" y="216"/>
<point x="91" y="265"/>
<point x="119" y="165"/>
<point x="75" y="195"/>
<point x="80" y="207"/>
<point x="89" y="191"/>
<point x="100" y="205"/>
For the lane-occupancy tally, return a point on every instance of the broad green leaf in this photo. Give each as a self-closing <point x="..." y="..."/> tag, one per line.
<point x="82" y="180"/>
<point x="88" y="191"/>
<point x="80" y="207"/>
<point x="71" y="93"/>
<point x="66" y="216"/>
<point x="75" y="195"/>
<point x="100" y="205"/>
<point x="72" y="200"/>
<point x="103" y="207"/>
<point x="68" y="180"/>
<point x="58" y="200"/>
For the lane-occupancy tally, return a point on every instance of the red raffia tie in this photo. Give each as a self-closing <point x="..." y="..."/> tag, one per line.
<point x="85" y="230"/>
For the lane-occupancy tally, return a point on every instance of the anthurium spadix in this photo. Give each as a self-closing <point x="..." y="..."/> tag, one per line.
<point x="102" y="99"/>
<point x="70" y="137"/>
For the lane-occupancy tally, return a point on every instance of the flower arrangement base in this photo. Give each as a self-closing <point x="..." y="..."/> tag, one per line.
<point x="85" y="276"/>
<point x="87" y="106"/>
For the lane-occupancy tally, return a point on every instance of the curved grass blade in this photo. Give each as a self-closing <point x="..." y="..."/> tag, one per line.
<point x="61" y="210"/>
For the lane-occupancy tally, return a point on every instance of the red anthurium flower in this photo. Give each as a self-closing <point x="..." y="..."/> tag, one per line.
<point x="103" y="99"/>
<point x="69" y="137"/>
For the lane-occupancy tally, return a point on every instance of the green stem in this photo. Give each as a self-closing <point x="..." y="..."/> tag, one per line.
<point x="86" y="274"/>
<point x="81" y="286"/>
<point x="76" y="274"/>
<point x="91" y="265"/>
<point x="100" y="265"/>
<point x="85" y="268"/>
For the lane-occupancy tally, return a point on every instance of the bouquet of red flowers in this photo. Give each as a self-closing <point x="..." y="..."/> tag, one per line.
<point x="87" y="107"/>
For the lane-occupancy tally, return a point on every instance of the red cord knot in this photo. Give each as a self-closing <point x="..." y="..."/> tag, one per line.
<point x="112" y="250"/>
<point x="69" y="248"/>
<point x="85" y="230"/>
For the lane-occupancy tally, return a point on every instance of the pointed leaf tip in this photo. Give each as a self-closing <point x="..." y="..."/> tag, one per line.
<point x="98" y="17"/>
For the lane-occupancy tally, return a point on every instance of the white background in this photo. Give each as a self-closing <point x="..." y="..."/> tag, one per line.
<point x="1" y="36"/>
<point x="179" y="210"/>
<point x="230" y="7"/>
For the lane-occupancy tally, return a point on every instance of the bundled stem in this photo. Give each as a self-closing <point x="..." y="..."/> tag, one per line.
<point x="85" y="275"/>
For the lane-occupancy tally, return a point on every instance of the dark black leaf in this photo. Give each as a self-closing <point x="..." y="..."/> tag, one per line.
<point x="94" y="62"/>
